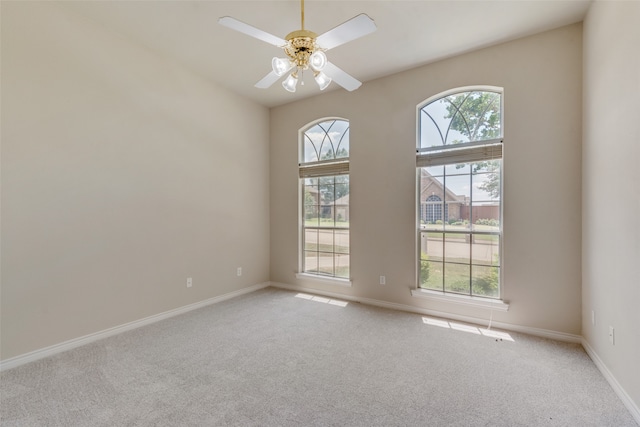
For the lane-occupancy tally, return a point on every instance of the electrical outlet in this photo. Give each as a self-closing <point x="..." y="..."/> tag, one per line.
<point x="239" y="271"/>
<point x="189" y="282"/>
<point x="383" y="280"/>
<point x="612" y="339"/>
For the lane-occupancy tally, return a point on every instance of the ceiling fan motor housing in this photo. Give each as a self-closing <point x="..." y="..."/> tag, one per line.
<point x="300" y="46"/>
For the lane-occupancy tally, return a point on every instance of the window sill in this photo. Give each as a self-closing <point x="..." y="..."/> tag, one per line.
<point x="324" y="279"/>
<point x="461" y="299"/>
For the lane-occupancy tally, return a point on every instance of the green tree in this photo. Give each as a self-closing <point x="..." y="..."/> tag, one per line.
<point x="333" y="188"/>
<point x="476" y="115"/>
<point x="492" y="184"/>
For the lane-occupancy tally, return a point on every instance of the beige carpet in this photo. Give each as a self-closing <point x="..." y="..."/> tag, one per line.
<point x="276" y="358"/>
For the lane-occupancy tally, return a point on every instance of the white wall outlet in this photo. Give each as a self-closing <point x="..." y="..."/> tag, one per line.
<point x="189" y="282"/>
<point x="593" y="317"/>
<point x="612" y="339"/>
<point x="383" y="280"/>
<point x="239" y="271"/>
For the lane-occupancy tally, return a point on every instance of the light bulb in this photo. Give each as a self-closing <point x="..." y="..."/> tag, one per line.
<point x="290" y="82"/>
<point x="280" y="65"/>
<point x="318" y="60"/>
<point x="323" y="80"/>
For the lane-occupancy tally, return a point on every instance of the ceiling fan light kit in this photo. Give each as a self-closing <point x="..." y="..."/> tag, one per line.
<point x="305" y="49"/>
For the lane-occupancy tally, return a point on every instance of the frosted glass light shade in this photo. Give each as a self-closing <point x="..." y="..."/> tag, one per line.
<point x="323" y="80"/>
<point x="290" y="83"/>
<point x="318" y="60"/>
<point x="280" y="65"/>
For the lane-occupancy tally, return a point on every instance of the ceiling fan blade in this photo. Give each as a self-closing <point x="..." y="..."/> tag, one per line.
<point x="247" y="29"/>
<point x="267" y="80"/>
<point x="340" y="77"/>
<point x="354" y="28"/>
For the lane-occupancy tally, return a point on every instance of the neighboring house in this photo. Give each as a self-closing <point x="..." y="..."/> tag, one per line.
<point x="341" y="207"/>
<point x="327" y="209"/>
<point x="455" y="207"/>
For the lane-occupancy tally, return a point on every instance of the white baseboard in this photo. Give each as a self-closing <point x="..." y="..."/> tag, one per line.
<point x="80" y="341"/>
<point x="543" y="333"/>
<point x="622" y="394"/>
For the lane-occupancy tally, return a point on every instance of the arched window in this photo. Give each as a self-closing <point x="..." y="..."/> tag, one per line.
<point x="459" y="169"/>
<point x="324" y="178"/>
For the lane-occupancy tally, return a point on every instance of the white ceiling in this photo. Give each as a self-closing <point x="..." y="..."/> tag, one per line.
<point x="409" y="34"/>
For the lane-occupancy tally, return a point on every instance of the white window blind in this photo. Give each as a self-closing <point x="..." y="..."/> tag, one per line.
<point x="326" y="168"/>
<point x="463" y="155"/>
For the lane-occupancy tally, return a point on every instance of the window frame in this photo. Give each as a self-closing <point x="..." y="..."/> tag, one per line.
<point x="319" y="169"/>
<point x="460" y="151"/>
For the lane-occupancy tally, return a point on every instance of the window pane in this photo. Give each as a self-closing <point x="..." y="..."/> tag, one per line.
<point x="486" y="217"/>
<point x="457" y="247"/>
<point x="342" y="215"/>
<point x="325" y="240"/>
<point x="486" y="186"/>
<point x="435" y="170"/>
<point x="456" y="278"/>
<point x="311" y="216"/>
<point x="432" y="246"/>
<point x="485" y="249"/>
<point x="341" y="193"/>
<point x="338" y="133"/>
<point x="341" y="239"/>
<point x="342" y="266"/>
<point x="431" y="275"/>
<point x="327" y="151"/>
<point x="485" y="281"/>
<point x="311" y="239"/>
<point x="327" y="216"/>
<point x="457" y="169"/>
<point x="311" y="192"/>
<point x="458" y="192"/>
<point x="327" y="190"/>
<point x="310" y="262"/>
<point x="310" y="153"/>
<point x="325" y="263"/>
<point x="434" y="122"/>
<point x="432" y="207"/>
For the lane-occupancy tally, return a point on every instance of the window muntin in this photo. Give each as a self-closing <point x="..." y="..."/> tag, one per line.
<point x="459" y="165"/>
<point x="324" y="169"/>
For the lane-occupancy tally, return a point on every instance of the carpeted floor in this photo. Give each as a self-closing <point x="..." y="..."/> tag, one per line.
<point x="277" y="358"/>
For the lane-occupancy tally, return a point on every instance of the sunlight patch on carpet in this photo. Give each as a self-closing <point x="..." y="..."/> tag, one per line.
<point x="324" y="300"/>
<point x="467" y="328"/>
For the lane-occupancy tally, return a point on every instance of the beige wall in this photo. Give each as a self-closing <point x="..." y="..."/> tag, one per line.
<point x="542" y="80"/>
<point x="122" y="175"/>
<point x="611" y="159"/>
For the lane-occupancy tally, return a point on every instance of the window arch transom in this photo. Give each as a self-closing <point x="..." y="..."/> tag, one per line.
<point x="326" y="140"/>
<point x="460" y="118"/>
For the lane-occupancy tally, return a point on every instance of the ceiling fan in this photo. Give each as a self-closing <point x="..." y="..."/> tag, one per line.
<point x="306" y="50"/>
